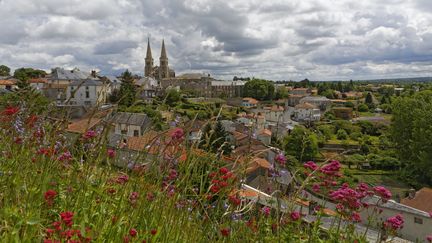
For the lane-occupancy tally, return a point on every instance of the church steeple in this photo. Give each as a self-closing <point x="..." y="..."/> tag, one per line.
<point x="148" y="69"/>
<point x="164" y="69"/>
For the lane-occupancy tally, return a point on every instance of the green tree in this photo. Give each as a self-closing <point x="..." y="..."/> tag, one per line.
<point x="172" y="97"/>
<point x="301" y="143"/>
<point x="127" y="89"/>
<point x="411" y="132"/>
<point x="342" y="134"/>
<point x="369" y="100"/>
<point x="4" y="70"/>
<point x="363" y="108"/>
<point x="24" y="74"/>
<point x="281" y="93"/>
<point x="259" y="89"/>
<point x="215" y="139"/>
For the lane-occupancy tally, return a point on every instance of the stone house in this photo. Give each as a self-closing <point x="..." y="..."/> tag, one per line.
<point x="130" y="124"/>
<point x="86" y="93"/>
<point x="306" y="113"/>
<point x="323" y="103"/>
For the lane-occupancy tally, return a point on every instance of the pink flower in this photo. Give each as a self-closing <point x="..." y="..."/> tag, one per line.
<point x="67" y="218"/>
<point x="395" y="222"/>
<point x="111" y="153"/>
<point x="133" y="232"/>
<point x="122" y="179"/>
<point x="133" y="197"/>
<point x="90" y="134"/>
<point x="316" y="188"/>
<point x="280" y="158"/>
<point x="177" y="134"/>
<point x="50" y="196"/>
<point x="295" y="215"/>
<point x="429" y="238"/>
<point x="356" y="217"/>
<point x="430" y="214"/>
<point x="266" y="211"/>
<point x="153" y="231"/>
<point x="311" y="165"/>
<point x="383" y="193"/>
<point x="331" y="169"/>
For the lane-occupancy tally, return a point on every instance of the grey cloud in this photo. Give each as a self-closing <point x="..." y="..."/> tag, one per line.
<point x="114" y="47"/>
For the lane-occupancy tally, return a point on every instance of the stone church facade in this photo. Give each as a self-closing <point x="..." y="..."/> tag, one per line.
<point x="158" y="72"/>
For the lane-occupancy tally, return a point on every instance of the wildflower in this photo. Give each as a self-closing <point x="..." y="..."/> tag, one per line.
<point x="331" y="169"/>
<point x="223" y="184"/>
<point x="90" y="134"/>
<point x="223" y="170"/>
<point x="122" y="179"/>
<point x="133" y="232"/>
<point x="429" y="238"/>
<point x="153" y="231"/>
<point x="150" y="196"/>
<point x="227" y="176"/>
<point x="177" y="134"/>
<point x="10" y="110"/>
<point x="316" y="188"/>
<point x="133" y="197"/>
<point x="67" y="218"/>
<point x="67" y="234"/>
<point x="395" y="222"/>
<point x="172" y="175"/>
<point x="280" y="158"/>
<point x="50" y="196"/>
<point x="212" y="175"/>
<point x="57" y="225"/>
<point x="311" y="165"/>
<point x="383" y="193"/>
<point x="215" y="188"/>
<point x="126" y="239"/>
<point x="295" y="215"/>
<point x="234" y="200"/>
<point x="225" y="232"/>
<point x="49" y="232"/>
<point x="66" y="156"/>
<point x="356" y="217"/>
<point x="266" y="211"/>
<point x="111" y="153"/>
<point x="430" y="214"/>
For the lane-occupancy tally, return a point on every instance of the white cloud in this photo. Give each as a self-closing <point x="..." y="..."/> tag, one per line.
<point x="317" y="39"/>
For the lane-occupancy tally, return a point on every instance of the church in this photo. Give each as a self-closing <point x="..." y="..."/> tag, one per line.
<point x="158" y="72"/>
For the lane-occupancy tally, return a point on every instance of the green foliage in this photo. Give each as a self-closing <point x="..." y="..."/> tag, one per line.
<point x="327" y="131"/>
<point x="37" y="103"/>
<point x="4" y="70"/>
<point x="215" y="139"/>
<point x="301" y="143"/>
<point x="411" y="132"/>
<point x="25" y="74"/>
<point x="363" y="108"/>
<point x="341" y="134"/>
<point x="127" y="89"/>
<point x="329" y="93"/>
<point x="172" y="97"/>
<point x="281" y="92"/>
<point x="114" y="96"/>
<point x="355" y="159"/>
<point x="259" y="89"/>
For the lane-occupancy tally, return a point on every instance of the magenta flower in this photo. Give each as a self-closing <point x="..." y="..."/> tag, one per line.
<point x="178" y="134"/>
<point x="331" y="169"/>
<point x="295" y="216"/>
<point x="111" y="153"/>
<point x="356" y="217"/>
<point x="316" y="188"/>
<point x="133" y="232"/>
<point x="133" y="197"/>
<point x="430" y="214"/>
<point x="311" y="165"/>
<point x="383" y="193"/>
<point x="395" y="222"/>
<point x="280" y="158"/>
<point x="429" y="238"/>
<point x="266" y="210"/>
<point x="90" y="134"/>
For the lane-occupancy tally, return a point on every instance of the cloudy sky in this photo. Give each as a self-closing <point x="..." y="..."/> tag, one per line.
<point x="274" y="39"/>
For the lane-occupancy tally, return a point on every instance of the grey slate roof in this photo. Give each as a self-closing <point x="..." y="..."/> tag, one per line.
<point x="63" y="74"/>
<point x="138" y="119"/>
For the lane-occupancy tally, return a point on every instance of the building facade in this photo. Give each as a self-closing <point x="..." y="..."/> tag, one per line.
<point x="158" y="72"/>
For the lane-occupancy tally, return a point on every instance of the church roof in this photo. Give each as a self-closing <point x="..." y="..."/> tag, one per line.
<point x="149" y="54"/>
<point x="163" y="51"/>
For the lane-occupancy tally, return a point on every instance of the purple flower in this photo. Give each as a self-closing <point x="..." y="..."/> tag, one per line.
<point x="280" y="158"/>
<point x="266" y="210"/>
<point x="295" y="215"/>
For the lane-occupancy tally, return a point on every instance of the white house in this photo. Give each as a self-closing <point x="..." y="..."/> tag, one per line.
<point x="249" y="102"/>
<point x="148" y="88"/>
<point x="38" y="83"/>
<point x="306" y="113"/>
<point x="86" y="93"/>
<point x="131" y="124"/>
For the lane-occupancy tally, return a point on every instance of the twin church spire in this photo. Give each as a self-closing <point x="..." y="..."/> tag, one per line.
<point x="160" y="72"/>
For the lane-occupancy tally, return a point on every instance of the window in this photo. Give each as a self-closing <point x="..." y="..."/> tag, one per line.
<point x="72" y="93"/>
<point x="87" y="94"/>
<point x="418" y="220"/>
<point x="136" y="133"/>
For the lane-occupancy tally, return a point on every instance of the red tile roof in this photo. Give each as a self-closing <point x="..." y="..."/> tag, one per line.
<point x="7" y="82"/>
<point x="421" y="201"/>
<point x="83" y="125"/>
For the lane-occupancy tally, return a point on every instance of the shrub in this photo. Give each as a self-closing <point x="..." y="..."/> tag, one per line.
<point x="363" y="108"/>
<point x="342" y="134"/>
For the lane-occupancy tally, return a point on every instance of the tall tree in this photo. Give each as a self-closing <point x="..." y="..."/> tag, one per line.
<point x="369" y="99"/>
<point x="259" y="89"/>
<point x="4" y="70"/>
<point x="127" y="89"/>
<point x="301" y="143"/>
<point x="214" y="139"/>
<point x="411" y="132"/>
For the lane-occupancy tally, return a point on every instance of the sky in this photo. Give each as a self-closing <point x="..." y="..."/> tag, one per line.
<point x="273" y="39"/>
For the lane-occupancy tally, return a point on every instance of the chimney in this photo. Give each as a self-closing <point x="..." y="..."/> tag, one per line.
<point x="93" y="73"/>
<point x="412" y="193"/>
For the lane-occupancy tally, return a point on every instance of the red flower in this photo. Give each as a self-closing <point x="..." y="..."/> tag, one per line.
<point x="215" y="189"/>
<point x="225" y="232"/>
<point x="111" y="153"/>
<point x="67" y="218"/>
<point x="295" y="215"/>
<point x="50" y="196"/>
<point x="234" y="200"/>
<point x="126" y="239"/>
<point x="90" y="134"/>
<point x="223" y="184"/>
<point x="57" y="225"/>
<point x="177" y="134"/>
<point x="223" y="170"/>
<point x="429" y="238"/>
<point x="133" y="232"/>
<point x="356" y="217"/>
<point x="153" y="231"/>
<point x="122" y="179"/>
<point x="10" y="110"/>
<point x="49" y="232"/>
<point x="150" y="196"/>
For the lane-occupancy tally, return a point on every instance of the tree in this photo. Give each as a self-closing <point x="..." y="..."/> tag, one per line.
<point x="369" y="100"/>
<point x="214" y="139"/>
<point x="4" y="70"/>
<point x="281" y="93"/>
<point x="342" y="134"/>
<point x="172" y="97"/>
<point x="24" y="74"/>
<point x="411" y="132"/>
<point x="259" y="89"/>
<point x="127" y="89"/>
<point x="301" y="143"/>
<point x="363" y="108"/>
